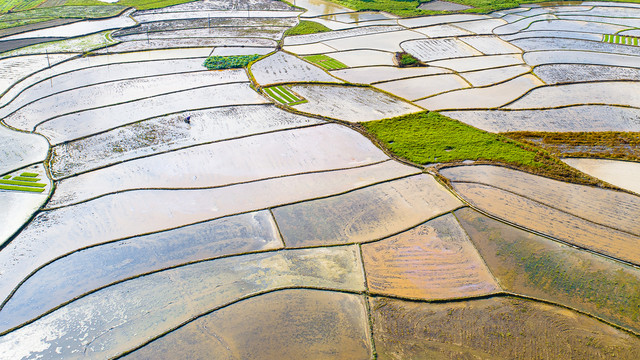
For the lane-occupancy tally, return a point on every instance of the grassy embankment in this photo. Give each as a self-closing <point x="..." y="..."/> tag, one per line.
<point x="410" y="8"/>
<point x="306" y="27"/>
<point x="428" y="137"/>
<point x="609" y="145"/>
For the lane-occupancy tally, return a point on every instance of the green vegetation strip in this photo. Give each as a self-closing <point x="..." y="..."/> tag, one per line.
<point x="618" y="39"/>
<point x="20" y="188"/>
<point x="326" y="62"/>
<point x="22" y="183"/>
<point x="229" y="62"/>
<point x="428" y="137"/>
<point x="306" y="27"/>
<point x="606" y="144"/>
<point x="30" y="179"/>
<point x="29" y="174"/>
<point x="284" y="96"/>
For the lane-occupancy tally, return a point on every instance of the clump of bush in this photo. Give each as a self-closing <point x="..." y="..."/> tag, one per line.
<point x="404" y="59"/>
<point x="229" y="62"/>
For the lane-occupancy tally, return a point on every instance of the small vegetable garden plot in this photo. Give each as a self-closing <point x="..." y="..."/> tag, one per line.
<point x="284" y="96"/>
<point x="26" y="181"/>
<point x="326" y="62"/>
<point x="229" y="62"/>
<point x="617" y="39"/>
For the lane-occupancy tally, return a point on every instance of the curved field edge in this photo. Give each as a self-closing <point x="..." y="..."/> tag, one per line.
<point x="431" y="138"/>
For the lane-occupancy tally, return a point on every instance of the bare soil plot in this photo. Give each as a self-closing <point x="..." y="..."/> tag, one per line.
<point x="574" y="118"/>
<point x="552" y="222"/>
<point x="494" y="76"/>
<point x="624" y="174"/>
<point x="496" y="328"/>
<point x="490" y="45"/>
<point x="534" y="266"/>
<point x="435" y="260"/>
<point x="487" y="97"/>
<point x="116" y="92"/>
<point x="21" y="195"/>
<point x="86" y="270"/>
<point x="438" y="49"/>
<point x="18" y="149"/>
<point x="282" y="67"/>
<point x="168" y="133"/>
<point x="318" y="148"/>
<point x="604" y="93"/>
<point x="421" y="87"/>
<point x="348" y="103"/>
<point x="288" y="324"/>
<point x="89" y="122"/>
<point x="55" y="233"/>
<point x="373" y="74"/>
<point x="606" y="207"/>
<point x="580" y="57"/>
<point x="570" y="73"/>
<point x="364" y="215"/>
<point x="478" y="62"/>
<point x="172" y="297"/>
<point x="338" y="34"/>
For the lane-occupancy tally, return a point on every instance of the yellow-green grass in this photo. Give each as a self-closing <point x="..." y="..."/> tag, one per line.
<point x="306" y="27"/>
<point x="50" y="13"/>
<point x="325" y="61"/>
<point x="606" y="144"/>
<point x="284" y="96"/>
<point x="618" y="39"/>
<point x="138" y="4"/>
<point x="428" y="138"/>
<point x="26" y="181"/>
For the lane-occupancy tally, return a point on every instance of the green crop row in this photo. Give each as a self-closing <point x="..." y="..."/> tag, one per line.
<point x="229" y="62"/>
<point x="326" y="62"/>
<point x="618" y="39"/>
<point x="284" y="96"/>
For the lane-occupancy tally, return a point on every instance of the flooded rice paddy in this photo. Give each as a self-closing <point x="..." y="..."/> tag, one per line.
<point x="154" y="209"/>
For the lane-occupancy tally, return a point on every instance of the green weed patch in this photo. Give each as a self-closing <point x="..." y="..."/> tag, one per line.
<point x="428" y="137"/>
<point x="229" y="62"/>
<point x="284" y="96"/>
<point x="326" y="62"/>
<point x="306" y="27"/>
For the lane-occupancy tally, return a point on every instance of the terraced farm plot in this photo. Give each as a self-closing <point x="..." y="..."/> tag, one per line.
<point x="432" y="261"/>
<point x="75" y="45"/>
<point x="84" y="271"/>
<point x="569" y="73"/>
<point x="625" y="174"/>
<point x="374" y="74"/>
<point x="326" y="62"/>
<point x="579" y="57"/>
<point x="531" y="265"/>
<point x="15" y="68"/>
<point x="438" y="49"/>
<point x="282" y="68"/>
<point x="286" y="324"/>
<point x="174" y="296"/>
<point x="363" y="215"/>
<point x="284" y="96"/>
<point x="494" y="328"/>
<point x="19" y="149"/>
<point x="420" y="87"/>
<point x="617" y="39"/>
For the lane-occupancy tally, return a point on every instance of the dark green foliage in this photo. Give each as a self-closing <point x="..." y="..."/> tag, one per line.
<point x="306" y="27"/>
<point x="229" y="62"/>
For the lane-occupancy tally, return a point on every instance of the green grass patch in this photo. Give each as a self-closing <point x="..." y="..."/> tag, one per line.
<point x="326" y="62"/>
<point x="306" y="27"/>
<point x="428" y="137"/>
<point x="606" y="144"/>
<point x="284" y="96"/>
<point x="20" y="188"/>
<point x="229" y="62"/>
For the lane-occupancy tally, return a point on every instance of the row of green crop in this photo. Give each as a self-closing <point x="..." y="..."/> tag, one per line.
<point x="284" y="96"/>
<point x="618" y="39"/>
<point x="325" y="61"/>
<point x="229" y="62"/>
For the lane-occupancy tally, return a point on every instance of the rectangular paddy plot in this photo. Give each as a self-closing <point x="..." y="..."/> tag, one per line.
<point x="433" y="261"/>
<point x="618" y="39"/>
<point x="531" y="265"/>
<point x="364" y="215"/>
<point x="494" y="328"/>
<point x="288" y="324"/>
<point x="172" y="297"/>
<point x="326" y="62"/>
<point x="284" y="95"/>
